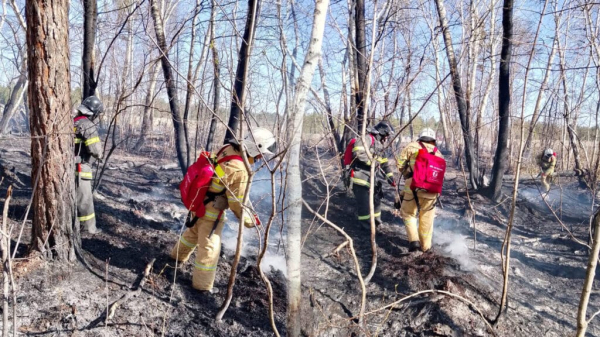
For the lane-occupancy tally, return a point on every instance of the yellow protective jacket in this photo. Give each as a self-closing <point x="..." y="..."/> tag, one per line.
<point x="362" y="165"/>
<point x="406" y="164"/>
<point x="547" y="166"/>
<point x="232" y="177"/>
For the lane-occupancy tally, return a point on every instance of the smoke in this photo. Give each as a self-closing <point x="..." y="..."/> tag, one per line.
<point x="273" y="259"/>
<point x="454" y="244"/>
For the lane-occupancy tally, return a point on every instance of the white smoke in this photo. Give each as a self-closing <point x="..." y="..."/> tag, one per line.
<point x="454" y="244"/>
<point x="272" y="259"/>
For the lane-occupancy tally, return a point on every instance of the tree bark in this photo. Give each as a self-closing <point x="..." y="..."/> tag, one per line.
<point x="463" y="112"/>
<point x="504" y="97"/>
<point x="51" y="129"/>
<point x="180" y="144"/>
<point x="90" y="17"/>
<point x="239" y="87"/>
<point x="294" y="180"/>
<point x="361" y="63"/>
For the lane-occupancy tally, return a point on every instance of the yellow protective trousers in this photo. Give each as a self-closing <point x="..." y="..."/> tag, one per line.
<point x="547" y="179"/>
<point x="207" y="257"/>
<point x="424" y="230"/>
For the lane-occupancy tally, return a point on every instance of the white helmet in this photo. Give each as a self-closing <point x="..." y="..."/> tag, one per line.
<point x="548" y="152"/>
<point x="427" y="135"/>
<point x="259" y="141"/>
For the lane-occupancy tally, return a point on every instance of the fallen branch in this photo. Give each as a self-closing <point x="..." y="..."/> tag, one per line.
<point x="562" y="223"/>
<point x="337" y="250"/>
<point x="132" y="293"/>
<point x="434" y="291"/>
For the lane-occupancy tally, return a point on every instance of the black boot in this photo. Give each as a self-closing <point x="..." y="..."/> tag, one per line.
<point x="414" y="246"/>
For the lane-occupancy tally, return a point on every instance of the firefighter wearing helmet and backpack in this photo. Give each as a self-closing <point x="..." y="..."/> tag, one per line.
<point x="88" y="149"/>
<point x="547" y="163"/>
<point x="419" y="202"/>
<point x="226" y="190"/>
<point x="359" y="171"/>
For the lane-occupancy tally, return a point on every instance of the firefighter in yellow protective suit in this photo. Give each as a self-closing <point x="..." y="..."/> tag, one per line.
<point x="229" y="186"/>
<point x="361" y="167"/>
<point x="88" y="149"/>
<point x="419" y="235"/>
<point x="547" y="163"/>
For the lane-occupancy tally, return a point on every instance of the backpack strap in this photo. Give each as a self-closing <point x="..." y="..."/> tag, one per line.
<point x="425" y="148"/>
<point x="228" y="158"/>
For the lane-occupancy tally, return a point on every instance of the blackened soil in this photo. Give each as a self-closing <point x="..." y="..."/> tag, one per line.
<point x="140" y="218"/>
<point x="139" y="223"/>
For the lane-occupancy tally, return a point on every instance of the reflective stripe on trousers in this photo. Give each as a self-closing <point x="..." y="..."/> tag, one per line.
<point x="207" y="256"/>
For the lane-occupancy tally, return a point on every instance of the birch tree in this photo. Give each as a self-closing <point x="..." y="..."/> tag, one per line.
<point x="294" y="181"/>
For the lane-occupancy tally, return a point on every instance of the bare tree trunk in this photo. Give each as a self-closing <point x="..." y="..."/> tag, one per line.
<point x="440" y="98"/>
<point x="332" y="129"/>
<point x="180" y="144"/>
<point x="569" y="124"/>
<point x="51" y="129"/>
<point x="148" y="110"/>
<point x="190" y="83"/>
<point x="504" y="97"/>
<point x="361" y="63"/>
<point x="15" y="100"/>
<point x="538" y="102"/>
<point x="488" y="89"/>
<point x="239" y="87"/>
<point x="462" y="107"/>
<point x="90" y="16"/>
<point x="582" y="322"/>
<point x="216" y="77"/>
<point x="294" y="180"/>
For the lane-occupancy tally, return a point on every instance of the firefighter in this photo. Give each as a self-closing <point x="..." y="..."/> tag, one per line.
<point x="226" y="191"/>
<point x="547" y="162"/>
<point x="361" y="172"/>
<point x="419" y="237"/>
<point x="88" y="149"/>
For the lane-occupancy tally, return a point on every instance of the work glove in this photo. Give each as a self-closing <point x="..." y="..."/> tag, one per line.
<point x="190" y="219"/>
<point x="397" y="202"/>
<point x="250" y="220"/>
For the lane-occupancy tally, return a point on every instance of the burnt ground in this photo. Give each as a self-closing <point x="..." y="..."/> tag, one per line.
<point x="137" y="210"/>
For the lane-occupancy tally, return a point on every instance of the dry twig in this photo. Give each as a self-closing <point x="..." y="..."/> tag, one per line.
<point x="434" y="291"/>
<point x="356" y="263"/>
<point x="134" y="292"/>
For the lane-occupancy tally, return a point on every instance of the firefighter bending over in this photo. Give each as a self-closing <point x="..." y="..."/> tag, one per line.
<point x="226" y="190"/>
<point x="419" y="201"/>
<point x="88" y="149"/>
<point x="547" y="162"/>
<point x="361" y="171"/>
